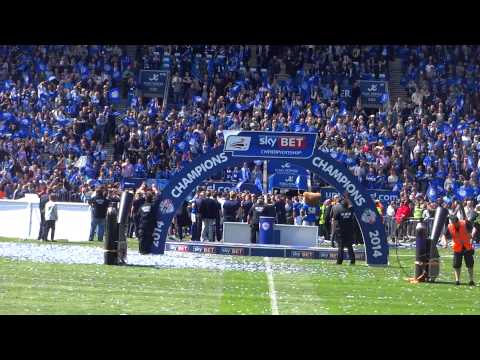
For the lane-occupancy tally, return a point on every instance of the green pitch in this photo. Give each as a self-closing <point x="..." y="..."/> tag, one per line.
<point x="322" y="288"/>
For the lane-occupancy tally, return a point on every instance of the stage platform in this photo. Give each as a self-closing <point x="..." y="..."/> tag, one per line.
<point x="287" y="251"/>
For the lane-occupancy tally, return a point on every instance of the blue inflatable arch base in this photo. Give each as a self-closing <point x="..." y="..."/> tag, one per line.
<point x="328" y="169"/>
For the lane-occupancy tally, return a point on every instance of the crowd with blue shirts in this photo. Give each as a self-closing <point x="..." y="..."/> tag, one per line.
<point x="59" y="107"/>
<point x="215" y="88"/>
<point x="56" y="114"/>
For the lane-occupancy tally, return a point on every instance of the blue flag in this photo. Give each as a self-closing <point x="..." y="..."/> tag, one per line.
<point x="463" y="192"/>
<point x="239" y="185"/>
<point x="459" y="102"/>
<point x="343" y="109"/>
<point x="446" y="129"/>
<point x="470" y="162"/>
<point x="333" y="119"/>
<point x="181" y="147"/>
<point x="259" y="185"/>
<point x="398" y="186"/>
<point x="114" y="95"/>
<point x="316" y="110"/>
<point x="432" y="193"/>
<point x="234" y="90"/>
<point x="295" y="113"/>
<point x="384" y="98"/>
<point x="269" y="107"/>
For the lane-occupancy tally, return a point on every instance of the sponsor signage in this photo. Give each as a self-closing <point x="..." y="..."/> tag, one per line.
<point x="283" y="167"/>
<point x="131" y="183"/>
<point x="226" y="249"/>
<point x="286" y="175"/>
<point x="230" y="186"/>
<point x="385" y="196"/>
<point x="372" y="92"/>
<point x="154" y="82"/>
<point x="267" y="144"/>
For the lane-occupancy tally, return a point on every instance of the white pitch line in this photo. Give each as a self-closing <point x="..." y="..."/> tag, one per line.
<point x="271" y="286"/>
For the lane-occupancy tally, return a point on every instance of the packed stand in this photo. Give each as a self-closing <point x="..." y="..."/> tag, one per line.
<point x="59" y="104"/>
<point x="57" y="111"/>
<point x="214" y="88"/>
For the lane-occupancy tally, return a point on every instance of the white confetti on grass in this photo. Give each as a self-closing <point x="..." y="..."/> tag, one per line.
<point x="77" y="254"/>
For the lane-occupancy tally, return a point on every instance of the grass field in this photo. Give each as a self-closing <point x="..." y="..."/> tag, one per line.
<point x="322" y="287"/>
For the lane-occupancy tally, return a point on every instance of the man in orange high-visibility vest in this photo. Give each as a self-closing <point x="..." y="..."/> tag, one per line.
<point x="460" y="232"/>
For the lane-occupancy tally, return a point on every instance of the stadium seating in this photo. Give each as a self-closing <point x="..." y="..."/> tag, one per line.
<point x="62" y="107"/>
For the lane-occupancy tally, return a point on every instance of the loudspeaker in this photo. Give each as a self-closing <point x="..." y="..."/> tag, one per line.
<point x="420" y="252"/>
<point x="438" y="224"/>
<point x="111" y="238"/>
<point x="126" y="201"/>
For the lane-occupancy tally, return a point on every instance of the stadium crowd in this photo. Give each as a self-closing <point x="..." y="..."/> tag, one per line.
<point x="61" y="105"/>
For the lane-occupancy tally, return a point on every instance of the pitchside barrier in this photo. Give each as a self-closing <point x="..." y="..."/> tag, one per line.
<point x="405" y="231"/>
<point x="290" y="235"/>
<point x="21" y="219"/>
<point x="302" y="252"/>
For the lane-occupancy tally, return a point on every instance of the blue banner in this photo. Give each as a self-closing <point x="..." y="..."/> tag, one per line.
<point x="286" y="175"/>
<point x="281" y="182"/>
<point x="160" y="183"/>
<point x="329" y="170"/>
<point x="346" y="92"/>
<point x="134" y="183"/>
<point x="131" y="183"/>
<point x="372" y="93"/>
<point x="385" y="196"/>
<point x="153" y="82"/>
<point x="270" y="144"/>
<point x="230" y="186"/>
<point x="283" y="167"/>
<point x="242" y="250"/>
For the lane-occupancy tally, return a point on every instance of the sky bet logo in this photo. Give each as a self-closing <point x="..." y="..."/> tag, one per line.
<point x="290" y="142"/>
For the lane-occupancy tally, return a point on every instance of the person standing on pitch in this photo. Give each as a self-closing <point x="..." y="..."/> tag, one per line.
<point x="280" y="210"/>
<point x="196" y="216"/>
<point x="460" y="232"/>
<point x="99" y="206"/>
<point x="343" y="226"/>
<point x="246" y="205"/>
<point x="51" y="216"/>
<point x="146" y="225"/>
<point x="254" y="214"/>
<point x="231" y="208"/>
<point x="270" y="208"/>
<point x="208" y="211"/>
<point x="43" y="201"/>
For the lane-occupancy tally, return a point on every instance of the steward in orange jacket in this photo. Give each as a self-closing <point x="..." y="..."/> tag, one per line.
<point x="459" y="231"/>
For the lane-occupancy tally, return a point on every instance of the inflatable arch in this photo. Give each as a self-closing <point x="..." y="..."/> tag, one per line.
<point x="328" y="169"/>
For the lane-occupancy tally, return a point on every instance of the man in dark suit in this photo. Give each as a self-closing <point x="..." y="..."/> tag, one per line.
<point x="230" y="208"/>
<point x="343" y="227"/>
<point x="208" y="213"/>
<point x="197" y="229"/>
<point x="280" y="210"/>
